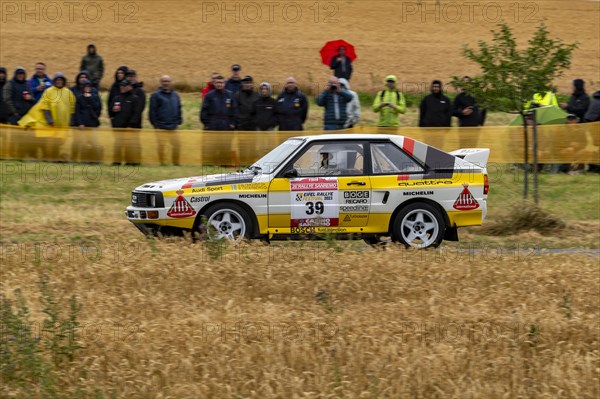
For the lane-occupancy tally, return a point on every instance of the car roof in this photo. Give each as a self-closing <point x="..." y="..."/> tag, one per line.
<point x="343" y="136"/>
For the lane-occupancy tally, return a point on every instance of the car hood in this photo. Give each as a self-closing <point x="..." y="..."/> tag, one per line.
<point x="199" y="181"/>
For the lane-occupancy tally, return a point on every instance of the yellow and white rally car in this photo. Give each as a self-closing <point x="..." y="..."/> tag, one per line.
<point x="353" y="185"/>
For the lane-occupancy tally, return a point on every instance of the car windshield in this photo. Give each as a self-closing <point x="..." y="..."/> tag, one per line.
<point x="276" y="157"/>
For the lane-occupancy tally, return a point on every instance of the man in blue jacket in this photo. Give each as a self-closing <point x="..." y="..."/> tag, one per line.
<point x="165" y="115"/>
<point x="219" y="108"/>
<point x="292" y="107"/>
<point x="335" y="102"/>
<point x="40" y="81"/>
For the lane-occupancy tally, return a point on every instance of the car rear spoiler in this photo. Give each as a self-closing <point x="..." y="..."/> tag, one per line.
<point x="476" y="156"/>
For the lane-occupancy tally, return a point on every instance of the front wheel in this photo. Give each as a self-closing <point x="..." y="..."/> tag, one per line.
<point x="228" y="221"/>
<point x="419" y="225"/>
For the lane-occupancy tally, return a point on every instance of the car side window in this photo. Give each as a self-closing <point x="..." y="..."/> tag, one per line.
<point x="331" y="159"/>
<point x="389" y="159"/>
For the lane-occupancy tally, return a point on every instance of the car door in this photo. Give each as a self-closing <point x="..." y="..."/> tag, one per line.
<point x="390" y="167"/>
<point x="327" y="189"/>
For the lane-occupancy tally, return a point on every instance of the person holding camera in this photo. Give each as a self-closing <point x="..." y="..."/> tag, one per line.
<point x="335" y="102"/>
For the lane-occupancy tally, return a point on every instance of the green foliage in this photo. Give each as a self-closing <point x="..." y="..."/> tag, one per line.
<point x="510" y="75"/>
<point x="32" y="358"/>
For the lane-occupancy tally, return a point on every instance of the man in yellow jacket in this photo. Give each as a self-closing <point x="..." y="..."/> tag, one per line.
<point x="390" y="103"/>
<point x="542" y="100"/>
<point x="54" y="110"/>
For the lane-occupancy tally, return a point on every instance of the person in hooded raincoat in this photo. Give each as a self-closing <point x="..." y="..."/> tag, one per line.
<point x="54" y="110"/>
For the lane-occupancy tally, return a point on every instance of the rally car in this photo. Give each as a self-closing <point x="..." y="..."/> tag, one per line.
<point x="371" y="186"/>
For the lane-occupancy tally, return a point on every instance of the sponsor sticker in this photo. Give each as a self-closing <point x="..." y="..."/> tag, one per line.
<point x="180" y="208"/>
<point x="199" y="199"/>
<point x="252" y="196"/>
<point x="314" y="202"/>
<point x="416" y="193"/>
<point x="465" y="200"/>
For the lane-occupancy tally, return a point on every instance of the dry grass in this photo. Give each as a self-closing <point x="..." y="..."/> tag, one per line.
<point x="164" y="320"/>
<point x="183" y="39"/>
<point x="176" y="319"/>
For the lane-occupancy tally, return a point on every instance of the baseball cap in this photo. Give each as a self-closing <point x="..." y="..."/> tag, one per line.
<point x="125" y="82"/>
<point x="391" y="78"/>
<point x="247" y="78"/>
<point x="236" y="67"/>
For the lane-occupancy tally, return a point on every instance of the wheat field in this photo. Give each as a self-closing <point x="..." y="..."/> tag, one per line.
<point x="416" y="40"/>
<point x="490" y="318"/>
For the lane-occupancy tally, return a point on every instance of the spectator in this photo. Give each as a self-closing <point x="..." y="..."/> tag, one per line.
<point x="17" y="95"/>
<point x="436" y="108"/>
<point x="245" y="99"/>
<point x="335" y="102"/>
<point x="593" y="112"/>
<point x="40" y="81"/>
<point x="88" y="108"/>
<point x="165" y="115"/>
<point x="542" y="100"/>
<point x="593" y="115"/>
<point x="264" y="109"/>
<point x="234" y="83"/>
<point x="94" y="64"/>
<point x="77" y="88"/>
<point x="115" y="90"/>
<point x="341" y="64"/>
<point x="4" y="113"/>
<point x="127" y="111"/>
<point x="127" y="107"/>
<point x="219" y="108"/>
<point x="390" y="103"/>
<point x="55" y="109"/>
<point x="465" y="108"/>
<point x="579" y="100"/>
<point x="210" y="85"/>
<point x="292" y="107"/>
<point x="138" y="90"/>
<point x="5" y="144"/>
<point x="353" y="109"/>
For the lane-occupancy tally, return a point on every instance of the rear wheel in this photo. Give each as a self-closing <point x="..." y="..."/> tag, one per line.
<point x="419" y="225"/>
<point x="227" y="221"/>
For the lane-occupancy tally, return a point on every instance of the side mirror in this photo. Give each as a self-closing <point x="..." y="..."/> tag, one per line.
<point x="291" y="173"/>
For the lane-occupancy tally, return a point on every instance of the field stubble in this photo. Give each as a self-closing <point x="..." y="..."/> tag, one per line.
<point x="172" y="318"/>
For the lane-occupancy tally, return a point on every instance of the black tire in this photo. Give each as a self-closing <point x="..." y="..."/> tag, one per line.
<point x="428" y="226"/>
<point x="221" y="226"/>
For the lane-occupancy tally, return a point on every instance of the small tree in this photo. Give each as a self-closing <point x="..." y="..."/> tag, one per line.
<point x="510" y="76"/>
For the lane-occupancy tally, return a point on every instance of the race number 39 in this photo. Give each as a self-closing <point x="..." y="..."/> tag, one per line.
<point x="314" y="202"/>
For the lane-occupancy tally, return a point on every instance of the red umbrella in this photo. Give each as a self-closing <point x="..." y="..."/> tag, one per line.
<point x="331" y="49"/>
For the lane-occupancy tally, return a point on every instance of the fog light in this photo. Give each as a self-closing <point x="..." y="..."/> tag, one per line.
<point x="152" y="214"/>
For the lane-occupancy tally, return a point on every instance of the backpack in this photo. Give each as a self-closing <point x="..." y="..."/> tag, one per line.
<point x="398" y="96"/>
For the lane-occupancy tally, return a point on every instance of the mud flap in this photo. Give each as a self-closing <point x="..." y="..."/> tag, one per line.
<point x="451" y="234"/>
